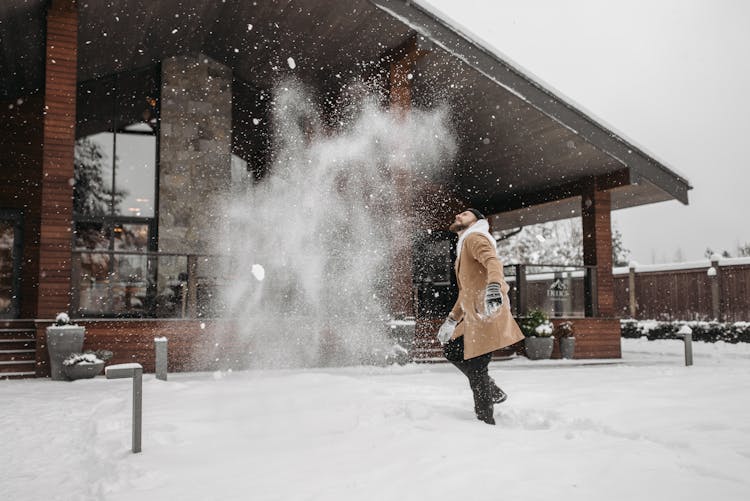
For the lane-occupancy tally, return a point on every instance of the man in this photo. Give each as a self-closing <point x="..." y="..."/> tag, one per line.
<point x="480" y="321"/>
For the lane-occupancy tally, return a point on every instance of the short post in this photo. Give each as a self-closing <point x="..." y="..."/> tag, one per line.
<point x="160" y="348"/>
<point x="687" y="336"/>
<point x="631" y="288"/>
<point x="134" y="371"/>
<point x="713" y="276"/>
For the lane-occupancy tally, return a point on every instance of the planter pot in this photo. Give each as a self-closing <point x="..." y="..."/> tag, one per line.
<point x="567" y="347"/>
<point x="82" y="371"/>
<point x="538" y="348"/>
<point x="62" y="340"/>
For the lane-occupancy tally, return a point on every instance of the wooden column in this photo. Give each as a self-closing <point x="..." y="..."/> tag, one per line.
<point x="597" y="244"/>
<point x="401" y="76"/>
<point x="55" y="237"/>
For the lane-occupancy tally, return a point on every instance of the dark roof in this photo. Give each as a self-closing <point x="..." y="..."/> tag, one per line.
<point x="523" y="150"/>
<point x="556" y="143"/>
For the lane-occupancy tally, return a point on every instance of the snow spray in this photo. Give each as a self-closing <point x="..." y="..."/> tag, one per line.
<point x="311" y="243"/>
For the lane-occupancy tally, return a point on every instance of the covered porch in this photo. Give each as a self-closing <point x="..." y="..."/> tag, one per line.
<point x="191" y="86"/>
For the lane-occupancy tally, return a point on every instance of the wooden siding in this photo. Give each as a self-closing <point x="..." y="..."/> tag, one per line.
<point x="193" y="345"/>
<point x="57" y="160"/>
<point x="597" y="244"/>
<point x="595" y="338"/>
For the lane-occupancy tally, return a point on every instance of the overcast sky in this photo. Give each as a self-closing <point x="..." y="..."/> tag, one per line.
<point x="672" y="76"/>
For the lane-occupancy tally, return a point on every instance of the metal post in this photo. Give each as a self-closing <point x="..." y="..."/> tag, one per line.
<point x="522" y="303"/>
<point x="160" y="349"/>
<point x="137" y="408"/>
<point x="713" y="275"/>
<point x="134" y="371"/>
<point x="192" y="286"/>
<point x="687" y="336"/>
<point x="631" y="289"/>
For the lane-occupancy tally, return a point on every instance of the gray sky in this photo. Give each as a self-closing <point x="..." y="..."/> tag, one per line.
<point x="672" y="76"/>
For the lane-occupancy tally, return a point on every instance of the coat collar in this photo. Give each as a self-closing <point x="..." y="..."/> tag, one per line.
<point x="483" y="228"/>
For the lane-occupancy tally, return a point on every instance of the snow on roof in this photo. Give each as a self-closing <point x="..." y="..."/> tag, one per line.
<point x="546" y="86"/>
<point x="687" y="265"/>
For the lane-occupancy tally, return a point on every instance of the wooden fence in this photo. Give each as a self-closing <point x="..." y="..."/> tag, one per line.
<point x="703" y="290"/>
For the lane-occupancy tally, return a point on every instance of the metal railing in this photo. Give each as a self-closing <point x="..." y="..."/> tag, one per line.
<point x="116" y="284"/>
<point x="558" y="290"/>
<point x="147" y="284"/>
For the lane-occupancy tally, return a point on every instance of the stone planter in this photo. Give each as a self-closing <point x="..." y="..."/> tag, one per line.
<point x="83" y="371"/>
<point x="567" y="347"/>
<point x="62" y="340"/>
<point x="538" y="348"/>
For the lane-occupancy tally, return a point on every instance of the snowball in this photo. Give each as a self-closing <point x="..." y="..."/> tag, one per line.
<point x="258" y="272"/>
<point x="291" y="63"/>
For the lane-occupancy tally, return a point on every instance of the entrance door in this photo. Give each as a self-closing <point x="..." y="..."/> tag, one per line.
<point x="10" y="262"/>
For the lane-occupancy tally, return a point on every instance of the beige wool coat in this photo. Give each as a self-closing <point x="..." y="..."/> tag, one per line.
<point x="478" y="266"/>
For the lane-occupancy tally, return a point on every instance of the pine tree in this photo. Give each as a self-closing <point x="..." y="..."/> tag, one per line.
<point x="92" y="195"/>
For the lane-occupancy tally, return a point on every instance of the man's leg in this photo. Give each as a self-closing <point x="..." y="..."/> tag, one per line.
<point x="481" y="387"/>
<point x="475" y="369"/>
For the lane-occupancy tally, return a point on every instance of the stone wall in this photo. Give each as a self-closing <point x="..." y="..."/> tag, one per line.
<point x="195" y="152"/>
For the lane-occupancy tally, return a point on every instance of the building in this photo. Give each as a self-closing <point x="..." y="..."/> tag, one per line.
<point x="158" y="88"/>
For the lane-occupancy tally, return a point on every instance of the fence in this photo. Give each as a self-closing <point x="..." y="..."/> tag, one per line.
<point x="704" y="290"/>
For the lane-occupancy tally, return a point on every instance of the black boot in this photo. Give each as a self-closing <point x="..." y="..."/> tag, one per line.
<point x="483" y="398"/>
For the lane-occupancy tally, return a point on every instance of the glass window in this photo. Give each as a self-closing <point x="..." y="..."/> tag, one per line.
<point x="112" y="273"/>
<point x="115" y="193"/>
<point x="116" y="138"/>
<point x="10" y="261"/>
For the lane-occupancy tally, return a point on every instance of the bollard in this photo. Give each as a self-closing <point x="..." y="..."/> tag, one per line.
<point x="134" y="371"/>
<point x="160" y="347"/>
<point x="687" y="336"/>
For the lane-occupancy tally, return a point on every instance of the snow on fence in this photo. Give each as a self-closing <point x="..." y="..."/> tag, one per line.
<point x="716" y="289"/>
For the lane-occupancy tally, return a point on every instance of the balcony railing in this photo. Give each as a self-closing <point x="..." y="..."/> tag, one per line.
<point x="147" y="284"/>
<point x="558" y="290"/>
<point x="115" y="284"/>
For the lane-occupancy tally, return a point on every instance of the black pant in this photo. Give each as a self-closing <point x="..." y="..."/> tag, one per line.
<point x="475" y="370"/>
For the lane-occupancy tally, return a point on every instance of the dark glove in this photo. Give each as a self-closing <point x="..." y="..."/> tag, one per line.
<point x="493" y="299"/>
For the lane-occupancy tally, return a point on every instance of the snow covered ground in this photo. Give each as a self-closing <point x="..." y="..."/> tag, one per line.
<point x="643" y="428"/>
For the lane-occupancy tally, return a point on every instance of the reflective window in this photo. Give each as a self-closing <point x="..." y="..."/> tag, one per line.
<point x="10" y="262"/>
<point x="115" y="154"/>
<point x="115" y="193"/>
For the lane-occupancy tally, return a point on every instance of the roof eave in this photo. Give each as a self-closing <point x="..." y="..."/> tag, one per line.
<point x="483" y="60"/>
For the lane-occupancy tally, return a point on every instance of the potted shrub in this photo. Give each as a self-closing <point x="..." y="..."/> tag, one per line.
<point x="564" y="334"/>
<point x="85" y="365"/>
<point x="63" y="338"/>
<point x="538" y="331"/>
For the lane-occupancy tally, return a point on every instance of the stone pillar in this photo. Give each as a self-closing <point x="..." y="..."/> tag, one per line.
<point x="59" y="130"/>
<point x="597" y="244"/>
<point x="195" y="151"/>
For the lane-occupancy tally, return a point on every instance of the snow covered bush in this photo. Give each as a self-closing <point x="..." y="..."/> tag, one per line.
<point x="536" y="323"/>
<point x="88" y="357"/>
<point x="61" y="319"/>
<point x="711" y="332"/>
<point x="81" y="358"/>
<point x="563" y="330"/>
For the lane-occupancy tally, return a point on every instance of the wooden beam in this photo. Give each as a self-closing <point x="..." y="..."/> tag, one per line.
<point x="400" y="80"/>
<point x="570" y="189"/>
<point x="55" y="239"/>
<point x="597" y="244"/>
